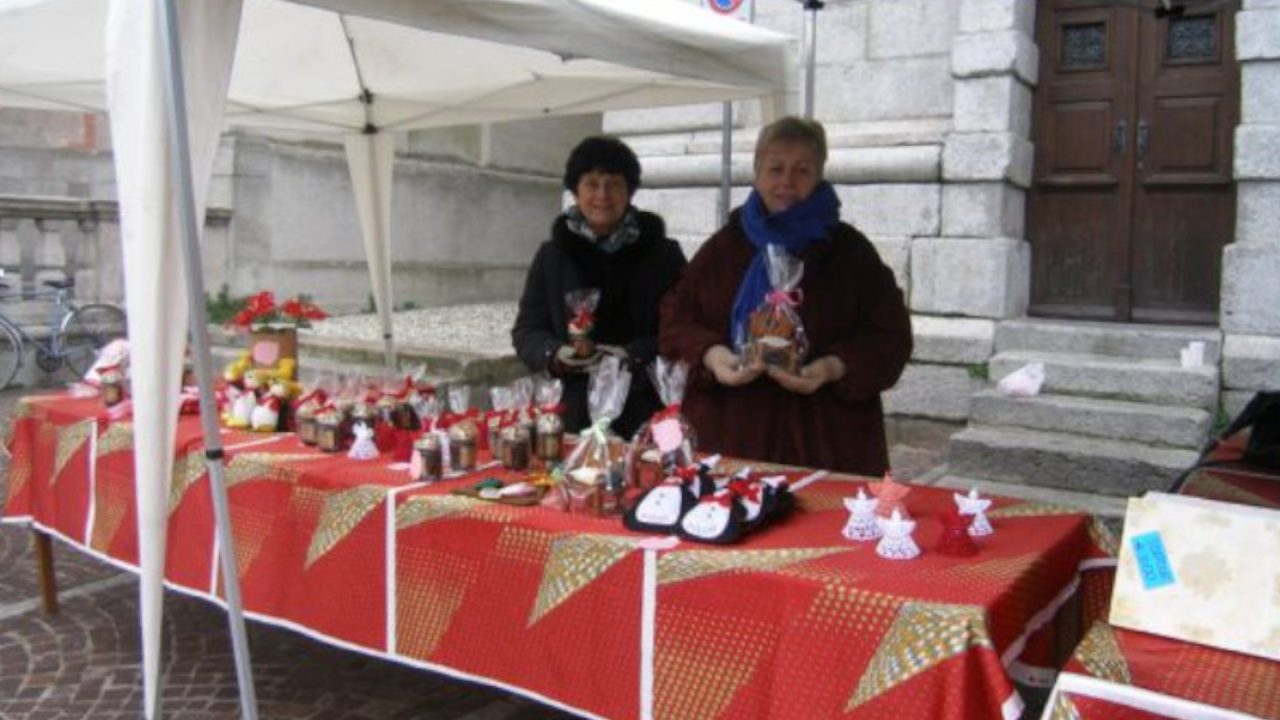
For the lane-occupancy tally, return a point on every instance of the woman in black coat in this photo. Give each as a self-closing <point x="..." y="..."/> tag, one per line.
<point x="602" y="242"/>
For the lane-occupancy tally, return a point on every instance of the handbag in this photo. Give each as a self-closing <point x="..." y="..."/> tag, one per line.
<point x="1262" y="416"/>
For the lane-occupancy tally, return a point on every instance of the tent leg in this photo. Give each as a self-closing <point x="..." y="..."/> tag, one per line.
<point x="44" y="563"/>
<point x="199" y="323"/>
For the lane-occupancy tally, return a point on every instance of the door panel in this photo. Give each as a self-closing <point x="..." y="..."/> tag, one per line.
<point x="1184" y="201"/>
<point x="1132" y="197"/>
<point x="1078" y="207"/>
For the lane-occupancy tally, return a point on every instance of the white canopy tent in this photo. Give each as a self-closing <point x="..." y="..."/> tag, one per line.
<point x="360" y="69"/>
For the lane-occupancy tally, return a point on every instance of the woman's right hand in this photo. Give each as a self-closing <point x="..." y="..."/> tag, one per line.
<point x="728" y="368"/>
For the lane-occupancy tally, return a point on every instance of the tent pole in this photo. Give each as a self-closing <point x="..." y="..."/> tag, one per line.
<point x="726" y="163"/>
<point x="175" y="95"/>
<point x="811" y="8"/>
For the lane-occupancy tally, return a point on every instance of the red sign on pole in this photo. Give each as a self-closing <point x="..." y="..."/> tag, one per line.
<point x="732" y="8"/>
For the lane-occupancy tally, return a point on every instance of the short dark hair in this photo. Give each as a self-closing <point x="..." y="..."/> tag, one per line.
<point x="606" y="154"/>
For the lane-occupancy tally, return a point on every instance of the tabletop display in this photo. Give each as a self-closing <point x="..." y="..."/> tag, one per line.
<point x="804" y="618"/>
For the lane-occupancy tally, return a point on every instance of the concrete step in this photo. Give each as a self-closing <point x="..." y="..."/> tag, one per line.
<point x="1130" y="340"/>
<point x="1094" y="417"/>
<point x="1069" y="462"/>
<point x="1101" y="376"/>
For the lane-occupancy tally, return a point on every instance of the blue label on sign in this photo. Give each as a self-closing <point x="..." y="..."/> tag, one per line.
<point x="1153" y="561"/>
<point x="724" y="6"/>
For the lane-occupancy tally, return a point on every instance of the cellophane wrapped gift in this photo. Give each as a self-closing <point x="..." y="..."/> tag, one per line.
<point x="775" y="335"/>
<point x="463" y="430"/>
<point x="501" y="401"/>
<point x="595" y="472"/>
<point x="333" y="420"/>
<point x="581" y="306"/>
<point x="312" y="400"/>
<point x="396" y="401"/>
<point x="549" y="423"/>
<point x="522" y="390"/>
<point x="667" y="441"/>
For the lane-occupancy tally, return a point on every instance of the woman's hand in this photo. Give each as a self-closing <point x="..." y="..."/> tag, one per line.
<point x="728" y="367"/>
<point x="825" y="369"/>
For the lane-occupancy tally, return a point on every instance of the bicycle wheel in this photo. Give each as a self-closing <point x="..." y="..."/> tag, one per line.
<point x="86" y="331"/>
<point x="10" y="354"/>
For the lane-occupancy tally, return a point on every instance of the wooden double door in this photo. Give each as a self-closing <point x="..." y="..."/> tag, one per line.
<point x="1132" y="198"/>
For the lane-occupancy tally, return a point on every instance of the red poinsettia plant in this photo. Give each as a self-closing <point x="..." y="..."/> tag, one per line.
<point x="261" y="311"/>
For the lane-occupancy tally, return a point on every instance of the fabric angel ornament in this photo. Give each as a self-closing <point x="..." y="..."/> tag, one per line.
<point x="897" y="543"/>
<point x="862" y="523"/>
<point x="973" y="505"/>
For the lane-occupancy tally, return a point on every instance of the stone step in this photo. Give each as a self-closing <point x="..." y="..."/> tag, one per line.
<point x="1107" y="507"/>
<point x="1131" y="340"/>
<point x="355" y="355"/>
<point x="1150" y="381"/>
<point x="1069" y="462"/>
<point x="1094" y="417"/>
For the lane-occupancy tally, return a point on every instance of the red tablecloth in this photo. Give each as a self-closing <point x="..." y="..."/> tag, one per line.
<point x="794" y="623"/>
<point x="1171" y="668"/>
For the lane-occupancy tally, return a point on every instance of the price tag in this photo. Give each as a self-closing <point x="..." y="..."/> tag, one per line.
<point x="1153" y="561"/>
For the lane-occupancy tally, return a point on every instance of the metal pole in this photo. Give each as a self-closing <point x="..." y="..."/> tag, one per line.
<point x="811" y="8"/>
<point x="726" y="145"/>
<point x="726" y="163"/>
<point x="175" y="92"/>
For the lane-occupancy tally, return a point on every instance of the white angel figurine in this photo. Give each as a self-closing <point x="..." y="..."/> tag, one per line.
<point x="973" y="505"/>
<point x="897" y="543"/>
<point x="862" y="523"/>
<point x="363" y="448"/>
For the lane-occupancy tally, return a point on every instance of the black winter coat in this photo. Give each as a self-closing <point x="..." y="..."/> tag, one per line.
<point x="632" y="280"/>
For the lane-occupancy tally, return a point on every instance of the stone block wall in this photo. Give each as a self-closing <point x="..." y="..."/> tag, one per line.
<point x="927" y="105"/>
<point x="1250" y="307"/>
<point x="469" y="209"/>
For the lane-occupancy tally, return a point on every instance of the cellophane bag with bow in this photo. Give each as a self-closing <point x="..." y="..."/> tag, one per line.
<point x="667" y="441"/>
<point x="775" y="334"/>
<point x="595" y="472"/>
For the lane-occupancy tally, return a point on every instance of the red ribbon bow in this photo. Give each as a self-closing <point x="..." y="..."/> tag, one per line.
<point x="318" y="395"/>
<point x="583" y="318"/>
<point x="784" y="298"/>
<point x="688" y="473"/>
<point x="750" y="490"/>
<point x="666" y="413"/>
<point x="723" y="498"/>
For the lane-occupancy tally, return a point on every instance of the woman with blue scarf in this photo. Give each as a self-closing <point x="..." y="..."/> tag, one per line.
<point x="828" y="414"/>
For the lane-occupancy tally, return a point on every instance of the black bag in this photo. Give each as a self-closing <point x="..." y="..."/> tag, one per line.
<point x="1262" y="414"/>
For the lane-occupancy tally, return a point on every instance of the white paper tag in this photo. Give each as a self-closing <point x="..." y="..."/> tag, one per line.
<point x="667" y="435"/>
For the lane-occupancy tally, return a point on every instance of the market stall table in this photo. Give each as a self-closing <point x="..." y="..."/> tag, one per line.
<point x="1140" y="676"/>
<point x="795" y="622"/>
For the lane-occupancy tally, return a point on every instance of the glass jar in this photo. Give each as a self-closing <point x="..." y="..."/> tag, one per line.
<point x="549" y="437"/>
<point x="462" y="445"/>
<point x="431" y="451"/>
<point x="513" y="447"/>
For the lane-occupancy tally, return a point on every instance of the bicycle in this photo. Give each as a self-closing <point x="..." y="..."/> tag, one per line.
<point x="77" y="333"/>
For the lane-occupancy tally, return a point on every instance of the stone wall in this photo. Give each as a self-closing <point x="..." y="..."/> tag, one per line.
<point x="1250" y="309"/>
<point x="928" y="113"/>
<point x="469" y="209"/>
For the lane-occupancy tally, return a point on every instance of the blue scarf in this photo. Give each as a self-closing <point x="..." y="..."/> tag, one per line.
<point x="795" y="229"/>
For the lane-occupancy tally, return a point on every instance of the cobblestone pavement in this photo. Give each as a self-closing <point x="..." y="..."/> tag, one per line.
<point x="85" y="662"/>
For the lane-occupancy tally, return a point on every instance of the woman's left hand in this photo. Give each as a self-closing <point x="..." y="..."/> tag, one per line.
<point x="825" y="369"/>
